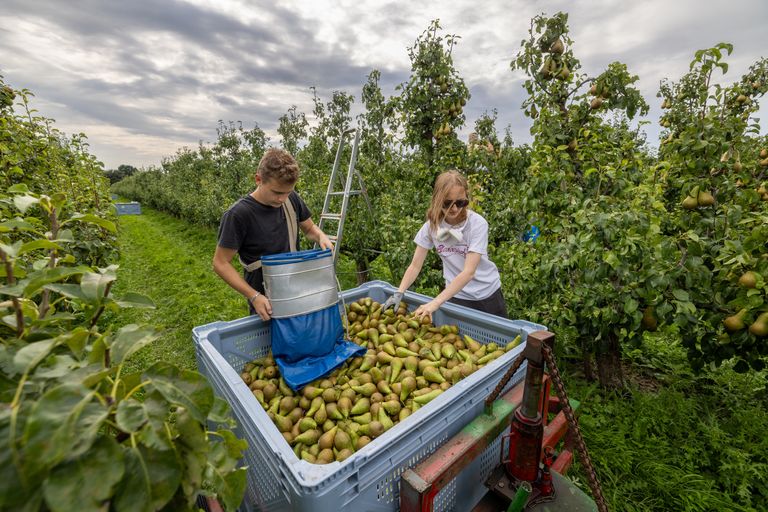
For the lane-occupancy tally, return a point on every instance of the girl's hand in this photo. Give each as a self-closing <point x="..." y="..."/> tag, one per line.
<point x="426" y="309"/>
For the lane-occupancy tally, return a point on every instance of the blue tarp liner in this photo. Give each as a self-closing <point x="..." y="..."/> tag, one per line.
<point x="307" y="347"/>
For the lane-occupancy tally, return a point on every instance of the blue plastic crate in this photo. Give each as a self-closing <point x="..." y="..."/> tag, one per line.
<point x="132" y="208"/>
<point x="369" y="479"/>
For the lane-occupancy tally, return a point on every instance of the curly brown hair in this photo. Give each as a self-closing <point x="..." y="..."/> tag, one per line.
<point x="278" y="164"/>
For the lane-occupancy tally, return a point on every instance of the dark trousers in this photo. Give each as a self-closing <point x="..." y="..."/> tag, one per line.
<point x="494" y="304"/>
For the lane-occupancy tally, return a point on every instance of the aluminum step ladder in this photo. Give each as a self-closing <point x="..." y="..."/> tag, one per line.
<point x="343" y="189"/>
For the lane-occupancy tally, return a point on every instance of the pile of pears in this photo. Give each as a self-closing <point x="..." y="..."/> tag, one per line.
<point x="409" y="362"/>
<point x="698" y="199"/>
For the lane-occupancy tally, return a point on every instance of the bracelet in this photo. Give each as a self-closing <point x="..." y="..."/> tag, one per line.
<point x="254" y="296"/>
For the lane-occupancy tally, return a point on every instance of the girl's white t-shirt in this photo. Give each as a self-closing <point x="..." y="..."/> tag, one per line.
<point x="474" y="232"/>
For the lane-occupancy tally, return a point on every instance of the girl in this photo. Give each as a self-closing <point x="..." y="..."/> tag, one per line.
<point x="460" y="237"/>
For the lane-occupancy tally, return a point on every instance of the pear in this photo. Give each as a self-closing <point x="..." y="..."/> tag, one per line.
<point x="408" y="384"/>
<point x="705" y="199"/>
<point x="296" y="414"/>
<point x="308" y="438"/>
<point x="345" y="405"/>
<point x="344" y="454"/>
<point x="333" y="411"/>
<point x="748" y="279"/>
<point x="366" y="390"/>
<point x="307" y="424"/>
<point x="316" y="404"/>
<point x="433" y="375"/>
<point x="760" y="326"/>
<point x="287" y="403"/>
<point x="283" y="424"/>
<point x="321" y="415"/>
<point x="472" y="345"/>
<point x="384" y="419"/>
<point x="330" y="395"/>
<point x="397" y="366"/>
<point x="361" y="442"/>
<point x="596" y="103"/>
<point x="649" y="321"/>
<point x="411" y="363"/>
<point x="342" y="440"/>
<point x="384" y="388"/>
<point x="269" y="390"/>
<point x="325" y="456"/>
<point x="361" y="406"/>
<point x="392" y="407"/>
<point x="735" y="322"/>
<point x="363" y="418"/>
<point x="689" y="203"/>
<point x="557" y="47"/>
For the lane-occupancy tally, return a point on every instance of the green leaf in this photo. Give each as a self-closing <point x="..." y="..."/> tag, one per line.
<point x="182" y="387"/>
<point x="63" y="423"/>
<point x="86" y="483"/>
<point x="630" y="305"/>
<point x="220" y="411"/>
<point x="92" y="219"/>
<point x="681" y="295"/>
<point x="24" y="202"/>
<point x="135" y="300"/>
<point x="94" y="284"/>
<point x="30" y="356"/>
<point x="11" y="251"/>
<point x="191" y="432"/>
<point x="76" y="339"/>
<point x="88" y="376"/>
<point x="16" y="223"/>
<point x="38" y="244"/>
<point x="131" y="415"/>
<point x="19" y="188"/>
<point x="50" y="275"/>
<point x="152" y="477"/>
<point x="71" y="291"/>
<point x="129" y="339"/>
<point x="610" y="258"/>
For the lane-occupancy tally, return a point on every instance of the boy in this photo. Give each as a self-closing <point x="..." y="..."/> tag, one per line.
<point x="264" y="222"/>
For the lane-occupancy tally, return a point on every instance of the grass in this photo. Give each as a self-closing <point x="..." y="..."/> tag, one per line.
<point x="170" y="261"/>
<point x="671" y="441"/>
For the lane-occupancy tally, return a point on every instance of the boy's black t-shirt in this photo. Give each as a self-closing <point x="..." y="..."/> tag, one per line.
<point x="255" y="229"/>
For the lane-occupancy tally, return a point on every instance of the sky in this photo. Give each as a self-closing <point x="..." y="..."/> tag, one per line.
<point x="143" y="79"/>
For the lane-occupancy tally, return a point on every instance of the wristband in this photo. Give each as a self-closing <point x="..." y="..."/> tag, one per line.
<point x="254" y="296"/>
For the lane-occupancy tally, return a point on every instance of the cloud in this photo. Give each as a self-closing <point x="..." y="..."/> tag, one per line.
<point x="145" y="78"/>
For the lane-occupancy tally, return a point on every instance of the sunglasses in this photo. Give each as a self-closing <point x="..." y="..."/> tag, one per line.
<point x="460" y="203"/>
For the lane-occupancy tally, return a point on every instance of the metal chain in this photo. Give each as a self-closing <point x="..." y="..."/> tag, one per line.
<point x="594" y="483"/>
<point x="503" y="382"/>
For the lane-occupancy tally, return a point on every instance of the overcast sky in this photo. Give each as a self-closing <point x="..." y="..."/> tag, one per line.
<point x="144" y="78"/>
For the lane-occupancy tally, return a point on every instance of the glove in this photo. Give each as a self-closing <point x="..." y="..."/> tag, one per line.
<point x="393" y="301"/>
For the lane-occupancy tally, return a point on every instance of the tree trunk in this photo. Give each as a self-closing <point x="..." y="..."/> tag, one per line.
<point x="609" y="365"/>
<point x="589" y="372"/>
<point x="363" y="270"/>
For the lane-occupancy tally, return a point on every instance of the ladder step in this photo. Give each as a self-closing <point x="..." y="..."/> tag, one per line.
<point x="331" y="216"/>
<point x="351" y="192"/>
